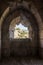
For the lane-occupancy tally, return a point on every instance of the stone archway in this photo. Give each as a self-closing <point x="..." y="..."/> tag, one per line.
<point x="10" y="11"/>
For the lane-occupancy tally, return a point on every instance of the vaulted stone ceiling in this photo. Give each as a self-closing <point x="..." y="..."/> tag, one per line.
<point x="38" y="4"/>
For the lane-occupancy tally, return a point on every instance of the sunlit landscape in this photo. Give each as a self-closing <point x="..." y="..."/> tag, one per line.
<point x="21" y="31"/>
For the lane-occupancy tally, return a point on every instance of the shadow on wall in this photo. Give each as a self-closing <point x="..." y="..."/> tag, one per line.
<point x="19" y="47"/>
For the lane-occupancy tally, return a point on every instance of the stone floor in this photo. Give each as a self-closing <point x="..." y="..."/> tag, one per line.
<point x="21" y="61"/>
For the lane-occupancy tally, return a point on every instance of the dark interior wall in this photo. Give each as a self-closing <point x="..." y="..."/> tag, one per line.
<point x="38" y="4"/>
<point x="21" y="47"/>
<point x="28" y="45"/>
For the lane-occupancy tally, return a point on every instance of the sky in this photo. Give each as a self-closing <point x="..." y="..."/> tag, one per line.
<point x="21" y="27"/>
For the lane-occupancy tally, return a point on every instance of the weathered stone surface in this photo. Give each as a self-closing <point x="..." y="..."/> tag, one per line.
<point x="6" y="45"/>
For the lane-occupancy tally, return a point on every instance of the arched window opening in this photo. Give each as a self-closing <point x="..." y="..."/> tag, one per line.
<point x="20" y="28"/>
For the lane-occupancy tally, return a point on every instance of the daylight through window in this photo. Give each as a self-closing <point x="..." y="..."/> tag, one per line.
<point x="21" y="31"/>
<point x="20" y="28"/>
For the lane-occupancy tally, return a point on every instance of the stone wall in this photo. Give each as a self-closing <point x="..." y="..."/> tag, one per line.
<point x="39" y="21"/>
<point x="0" y="44"/>
<point x="22" y="47"/>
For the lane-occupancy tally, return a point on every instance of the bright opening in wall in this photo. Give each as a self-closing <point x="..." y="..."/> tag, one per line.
<point x="20" y="28"/>
<point x="21" y="31"/>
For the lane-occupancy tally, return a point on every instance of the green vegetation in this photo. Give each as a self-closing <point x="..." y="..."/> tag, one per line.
<point x="21" y="33"/>
<point x="17" y="29"/>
